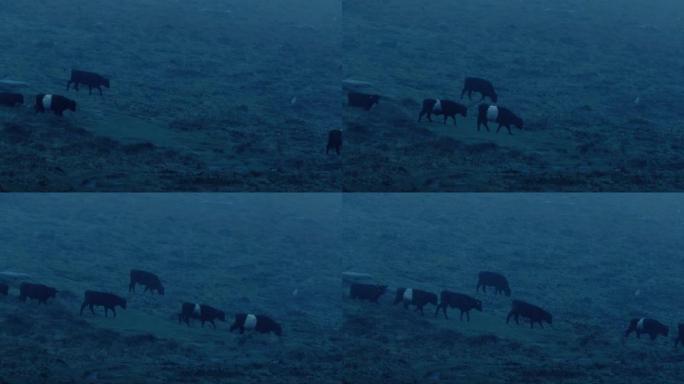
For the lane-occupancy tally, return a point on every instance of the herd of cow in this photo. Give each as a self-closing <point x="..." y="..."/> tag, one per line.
<point x="109" y="301"/>
<point x="58" y="103"/>
<point x="465" y="303"/>
<point x="486" y="112"/>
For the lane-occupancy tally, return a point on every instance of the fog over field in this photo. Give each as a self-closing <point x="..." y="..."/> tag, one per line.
<point x="597" y="84"/>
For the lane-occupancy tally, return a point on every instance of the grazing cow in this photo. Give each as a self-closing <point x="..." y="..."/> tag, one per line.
<point x="38" y="292"/>
<point x="457" y="300"/>
<point x="4" y="289"/>
<point x="259" y="323"/>
<point x="147" y="279"/>
<point x="102" y="299"/>
<point x="55" y="103"/>
<point x="92" y="80"/>
<point x="493" y="279"/>
<point x="334" y="141"/>
<point x="534" y="313"/>
<point x="484" y="87"/>
<point x="649" y="326"/>
<point x="500" y="115"/>
<point x="447" y="108"/>
<point x="362" y="100"/>
<point x="204" y="313"/>
<point x="415" y="297"/>
<point x="680" y="337"/>
<point x="368" y="292"/>
<point x="11" y="99"/>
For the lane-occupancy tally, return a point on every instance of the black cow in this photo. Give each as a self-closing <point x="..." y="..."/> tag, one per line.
<point x="334" y="141"/>
<point x="484" y="87"/>
<point x="11" y="99"/>
<point x="457" y="300"/>
<point x="447" y="108"/>
<point x="55" y="103"/>
<point x="259" y="323"/>
<point x="649" y="326"/>
<point x="4" y="289"/>
<point x="500" y="115"/>
<point x="680" y="337"/>
<point x="362" y="100"/>
<point x="92" y="80"/>
<point x="204" y="313"/>
<point x="147" y="279"/>
<point x="532" y="312"/>
<point x="368" y="292"/>
<point x="416" y="297"/>
<point x="102" y="299"/>
<point x="493" y="279"/>
<point x="38" y="292"/>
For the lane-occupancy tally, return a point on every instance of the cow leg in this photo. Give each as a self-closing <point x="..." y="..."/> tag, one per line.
<point x="92" y="308"/>
<point x="106" y="311"/>
<point x="509" y="129"/>
<point x="99" y="89"/>
<point x="498" y="129"/>
<point x="461" y="315"/>
<point x="421" y="310"/>
<point x="68" y="84"/>
<point x="444" y="309"/>
<point x="114" y="311"/>
<point x="212" y="323"/>
<point x="90" y="89"/>
<point x="187" y="320"/>
<point x="463" y="92"/>
<point x="508" y="318"/>
<point x="421" y="114"/>
<point x="531" y="323"/>
<point x="202" y="321"/>
<point x="83" y="307"/>
<point x="429" y="116"/>
<point x="242" y="330"/>
<point x="468" y="315"/>
<point x="131" y="287"/>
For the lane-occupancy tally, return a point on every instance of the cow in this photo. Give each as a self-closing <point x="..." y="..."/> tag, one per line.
<point x="102" y="299"/>
<point x="649" y="326"/>
<point x="493" y="279"/>
<point x="38" y="292"/>
<point x="334" y="141"/>
<point x="482" y="86"/>
<point x="368" y="292"/>
<point x="147" y="279"/>
<point x="55" y="103"/>
<point x="362" y="100"/>
<point x="457" y="300"/>
<point x="500" y="115"/>
<point x="444" y="107"/>
<point x="11" y="99"/>
<point x="530" y="311"/>
<point x="258" y="323"/>
<point x="92" y="80"/>
<point x="4" y="289"/>
<point x="416" y="297"/>
<point x="680" y="336"/>
<point x="203" y="312"/>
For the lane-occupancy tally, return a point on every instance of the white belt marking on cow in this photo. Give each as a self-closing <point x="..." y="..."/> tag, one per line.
<point x="437" y="108"/>
<point x="196" y="310"/>
<point x="640" y="324"/>
<point x="408" y="294"/>
<point x="47" y="101"/>
<point x="250" y="321"/>
<point x="492" y="113"/>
